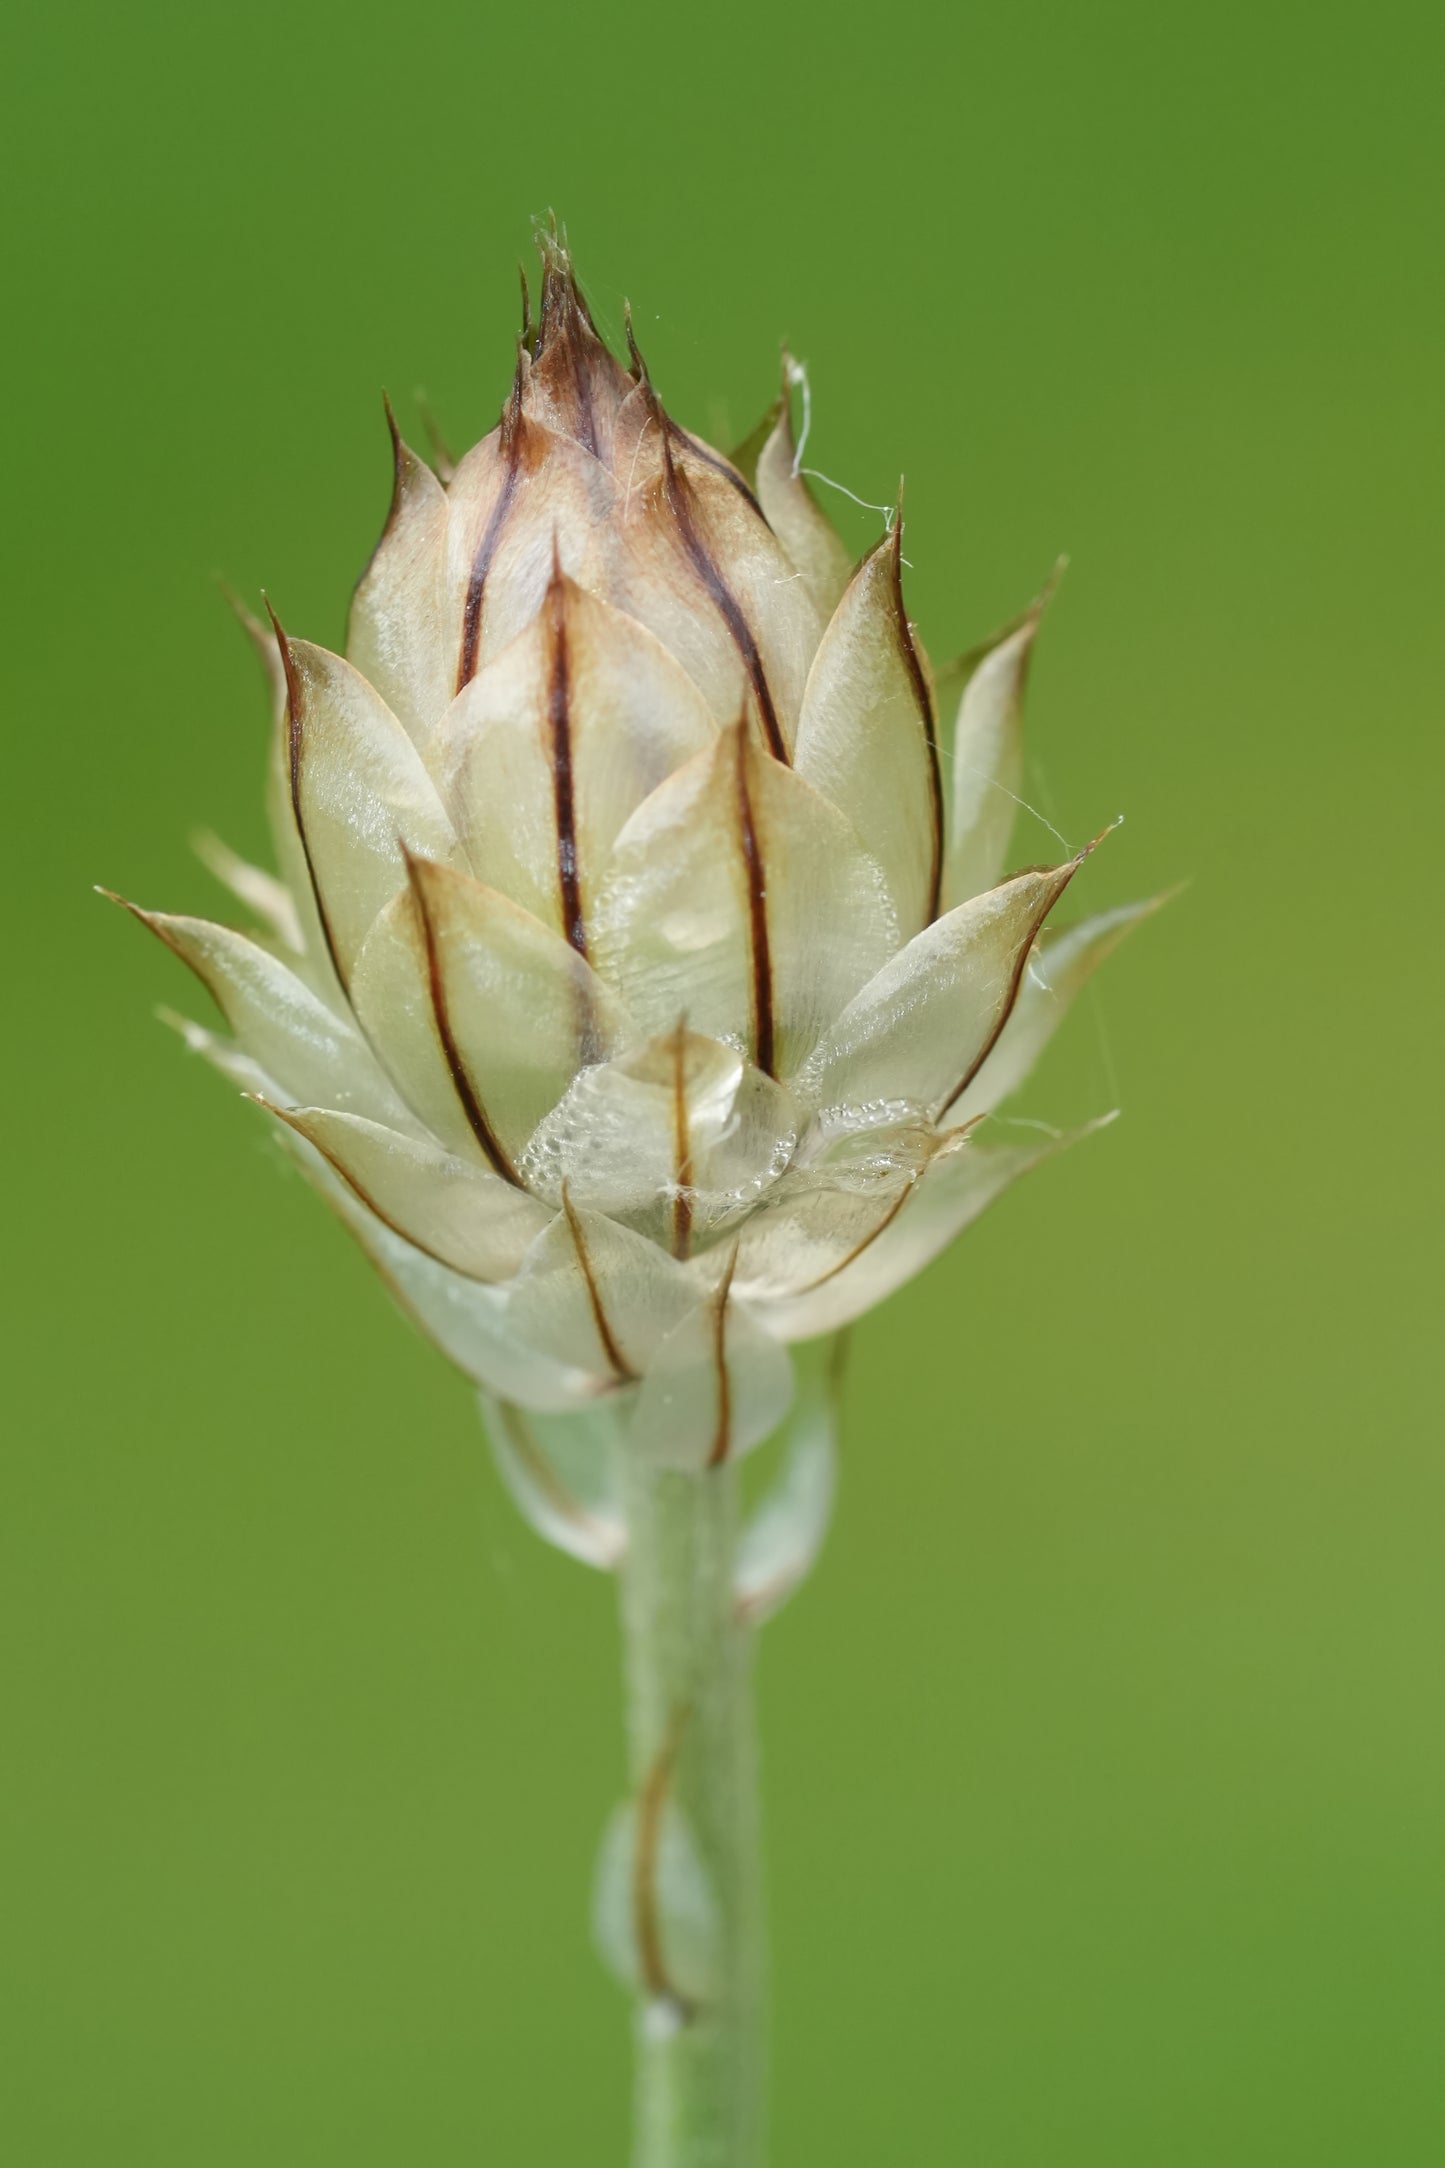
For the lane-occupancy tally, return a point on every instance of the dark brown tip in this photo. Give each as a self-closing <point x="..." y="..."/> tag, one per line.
<point x="293" y="693"/>
<point x="398" y="485"/>
<point x="398" y="458"/>
<point x="562" y="303"/>
<point x="156" y="922"/>
<point x="634" y="351"/>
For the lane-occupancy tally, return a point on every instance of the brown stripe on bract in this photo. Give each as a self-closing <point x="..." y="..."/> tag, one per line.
<point x="154" y="922"/>
<point x="759" y="941"/>
<point x="466" y="1092"/>
<point x="679" y="498"/>
<point x="1025" y="949"/>
<point x="722" y="1435"/>
<point x="559" y="724"/>
<point x="681" y="1149"/>
<point x="294" y="745"/>
<point x="363" y="1195"/>
<point x="622" y="1367"/>
<point x="584" y="418"/>
<point x="646" y="1912"/>
<point x="565" y="323"/>
<point x="908" y="1190"/>
<point x="576" y="369"/>
<point x="868" y="1240"/>
<point x="716" y="461"/>
<point x="924" y="697"/>
<point x="511" y="431"/>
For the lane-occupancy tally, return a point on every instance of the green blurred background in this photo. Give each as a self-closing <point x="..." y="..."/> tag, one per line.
<point x="1104" y="1761"/>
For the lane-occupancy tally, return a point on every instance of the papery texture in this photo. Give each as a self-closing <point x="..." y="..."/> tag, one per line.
<point x="640" y="964"/>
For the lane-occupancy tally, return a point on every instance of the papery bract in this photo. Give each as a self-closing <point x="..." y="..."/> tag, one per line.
<point x="639" y="968"/>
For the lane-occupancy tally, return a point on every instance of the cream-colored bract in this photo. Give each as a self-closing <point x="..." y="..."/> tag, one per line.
<point x="639" y="973"/>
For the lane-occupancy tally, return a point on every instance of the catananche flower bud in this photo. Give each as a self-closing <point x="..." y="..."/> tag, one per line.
<point x="633" y="984"/>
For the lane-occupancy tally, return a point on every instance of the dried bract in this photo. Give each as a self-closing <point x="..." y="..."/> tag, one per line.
<point x="635" y="982"/>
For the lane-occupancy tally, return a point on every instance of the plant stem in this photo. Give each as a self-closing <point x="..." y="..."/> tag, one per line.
<point x="699" y="2056"/>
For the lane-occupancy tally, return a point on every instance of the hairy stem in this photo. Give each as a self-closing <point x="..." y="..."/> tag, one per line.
<point x="699" y="2042"/>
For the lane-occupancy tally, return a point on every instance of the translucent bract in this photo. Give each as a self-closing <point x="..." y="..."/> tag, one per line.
<point x="638" y="971"/>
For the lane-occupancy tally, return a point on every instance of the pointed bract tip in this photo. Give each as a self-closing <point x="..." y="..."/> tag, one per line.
<point x="562" y="299"/>
<point x="511" y="416"/>
<point x="288" y="665"/>
<point x="1094" y="841"/>
<point x="893" y="542"/>
<point x="195" y="1035"/>
<point x="794" y="377"/>
<point x="244" y="615"/>
<point x="419" y="869"/>
<point x="739" y="729"/>
<point x="635" y="354"/>
<point x="279" y="1113"/>
<point x="136" y="910"/>
<point x="1048" y="591"/>
<point x="398" y="457"/>
<point x="442" y="457"/>
<point x="153" y="921"/>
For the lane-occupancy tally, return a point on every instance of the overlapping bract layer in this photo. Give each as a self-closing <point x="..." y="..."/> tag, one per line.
<point x="633" y="984"/>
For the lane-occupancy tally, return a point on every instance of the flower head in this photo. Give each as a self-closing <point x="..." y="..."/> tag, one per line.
<point x="639" y="968"/>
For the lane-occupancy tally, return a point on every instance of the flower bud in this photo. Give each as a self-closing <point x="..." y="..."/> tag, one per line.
<point x="631" y="983"/>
